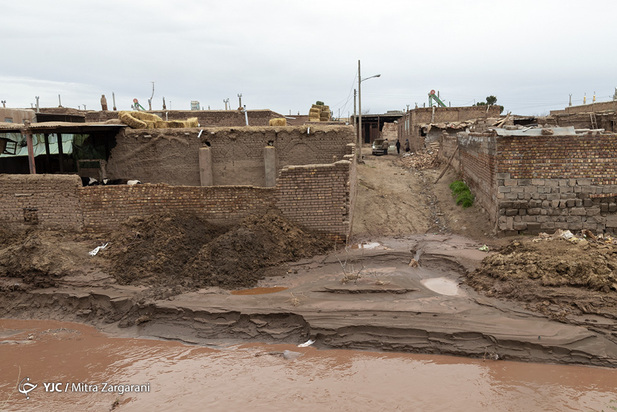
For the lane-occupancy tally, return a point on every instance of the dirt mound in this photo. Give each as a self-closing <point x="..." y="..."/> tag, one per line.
<point x="186" y="251"/>
<point x="556" y="277"/>
<point x="155" y="249"/>
<point x="238" y="258"/>
<point x="557" y="262"/>
<point x="39" y="258"/>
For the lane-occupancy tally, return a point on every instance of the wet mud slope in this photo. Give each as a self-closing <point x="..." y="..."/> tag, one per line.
<point x="397" y="294"/>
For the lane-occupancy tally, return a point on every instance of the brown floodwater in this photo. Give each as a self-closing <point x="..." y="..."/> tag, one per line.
<point x="67" y="362"/>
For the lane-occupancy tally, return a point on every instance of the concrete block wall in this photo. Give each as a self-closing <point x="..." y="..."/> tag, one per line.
<point x="48" y="201"/>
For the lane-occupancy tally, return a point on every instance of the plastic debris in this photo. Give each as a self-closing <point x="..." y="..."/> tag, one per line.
<point x="96" y="250"/>
<point x="483" y="248"/>
<point x="306" y="344"/>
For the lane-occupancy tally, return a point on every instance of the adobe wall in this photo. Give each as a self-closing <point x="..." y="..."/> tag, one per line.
<point x="587" y="108"/>
<point x="207" y="118"/>
<point x="49" y="201"/>
<point x="172" y="155"/>
<point x="535" y="184"/>
<point x="317" y="196"/>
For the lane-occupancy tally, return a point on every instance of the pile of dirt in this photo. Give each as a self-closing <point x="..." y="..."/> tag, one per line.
<point x="154" y="250"/>
<point x="239" y="257"/>
<point x="39" y="258"/>
<point x="186" y="251"/>
<point x="554" y="276"/>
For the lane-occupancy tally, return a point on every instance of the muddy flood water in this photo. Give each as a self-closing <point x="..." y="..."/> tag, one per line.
<point x="50" y="365"/>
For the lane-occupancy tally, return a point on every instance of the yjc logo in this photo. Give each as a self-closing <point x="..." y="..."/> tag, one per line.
<point x="26" y="387"/>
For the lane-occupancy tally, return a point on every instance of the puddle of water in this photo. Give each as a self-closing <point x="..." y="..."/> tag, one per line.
<point x="257" y="377"/>
<point x="258" y="291"/>
<point x="443" y="286"/>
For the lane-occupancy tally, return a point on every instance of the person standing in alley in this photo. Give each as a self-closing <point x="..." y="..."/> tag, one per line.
<point x="407" y="148"/>
<point x="398" y="146"/>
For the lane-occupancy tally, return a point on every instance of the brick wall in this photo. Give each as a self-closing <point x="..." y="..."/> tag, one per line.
<point x="50" y="201"/>
<point x="477" y="167"/>
<point x="542" y="183"/>
<point x="319" y="197"/>
<point x="108" y="206"/>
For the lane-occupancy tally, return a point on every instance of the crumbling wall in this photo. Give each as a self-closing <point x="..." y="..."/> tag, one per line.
<point x="237" y="154"/>
<point x="411" y="121"/>
<point x="48" y="201"/>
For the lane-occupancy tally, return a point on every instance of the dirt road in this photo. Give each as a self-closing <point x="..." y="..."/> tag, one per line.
<point x="397" y="201"/>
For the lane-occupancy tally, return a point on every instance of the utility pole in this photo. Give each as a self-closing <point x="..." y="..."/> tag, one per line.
<point x="226" y="101"/>
<point x="59" y="101"/>
<point x="150" y="99"/>
<point x="359" y="114"/>
<point x="240" y="101"/>
<point x="37" y="103"/>
<point x="113" y="97"/>
<point x="570" y="103"/>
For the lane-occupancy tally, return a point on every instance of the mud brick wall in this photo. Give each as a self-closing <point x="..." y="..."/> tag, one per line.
<point x="106" y="207"/>
<point x="586" y="108"/>
<point x="48" y="201"/>
<point x="207" y="118"/>
<point x="172" y="155"/>
<point x="319" y="196"/>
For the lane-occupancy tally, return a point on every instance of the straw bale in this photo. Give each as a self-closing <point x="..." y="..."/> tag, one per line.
<point x="192" y="122"/>
<point x="175" y="124"/>
<point x="325" y="109"/>
<point x="279" y="121"/>
<point x="161" y="124"/>
<point x="146" y="117"/>
<point x="128" y="119"/>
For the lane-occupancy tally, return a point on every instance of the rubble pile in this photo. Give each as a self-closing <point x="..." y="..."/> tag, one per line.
<point x="421" y="160"/>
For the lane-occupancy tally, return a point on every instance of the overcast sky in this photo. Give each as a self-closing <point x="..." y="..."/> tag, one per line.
<point x="285" y="55"/>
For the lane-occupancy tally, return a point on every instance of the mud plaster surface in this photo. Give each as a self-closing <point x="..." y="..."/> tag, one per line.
<point x="387" y="307"/>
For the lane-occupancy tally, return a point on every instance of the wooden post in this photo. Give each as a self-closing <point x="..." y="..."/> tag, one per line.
<point x="60" y="152"/>
<point x="47" y="167"/>
<point x="28" y="133"/>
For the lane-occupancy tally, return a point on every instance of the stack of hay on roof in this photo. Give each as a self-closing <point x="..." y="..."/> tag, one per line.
<point x="319" y="113"/>
<point x="142" y="120"/>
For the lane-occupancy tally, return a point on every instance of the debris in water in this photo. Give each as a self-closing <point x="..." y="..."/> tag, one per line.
<point x="306" y="344"/>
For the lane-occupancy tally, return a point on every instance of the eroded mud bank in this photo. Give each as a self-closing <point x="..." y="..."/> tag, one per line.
<point x="365" y="298"/>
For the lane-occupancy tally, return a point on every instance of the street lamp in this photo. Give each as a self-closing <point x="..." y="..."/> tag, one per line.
<point x="360" y="80"/>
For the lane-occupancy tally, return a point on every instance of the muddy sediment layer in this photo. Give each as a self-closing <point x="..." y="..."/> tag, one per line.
<point x="359" y="298"/>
